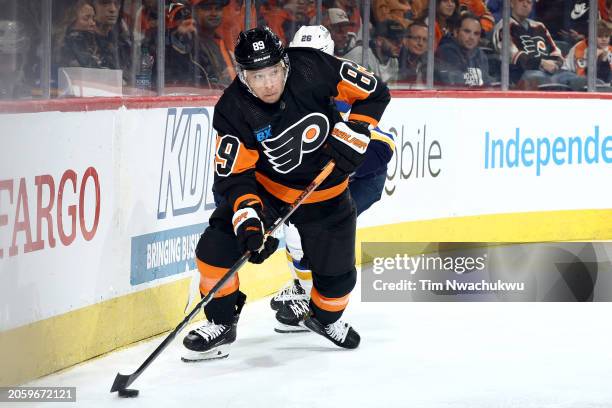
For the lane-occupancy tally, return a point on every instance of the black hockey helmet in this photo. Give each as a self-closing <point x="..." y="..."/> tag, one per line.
<point x="258" y="48"/>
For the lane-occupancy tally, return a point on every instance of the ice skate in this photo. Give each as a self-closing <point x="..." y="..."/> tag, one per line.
<point x="289" y="316"/>
<point x="339" y="332"/>
<point x="209" y="342"/>
<point x="212" y="341"/>
<point x="292" y="292"/>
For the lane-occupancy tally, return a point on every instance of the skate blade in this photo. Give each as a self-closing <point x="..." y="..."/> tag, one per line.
<point x="197" y="356"/>
<point x="285" y="328"/>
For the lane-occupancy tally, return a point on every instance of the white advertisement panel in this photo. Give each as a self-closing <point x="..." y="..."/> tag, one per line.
<point x="165" y="190"/>
<point x="461" y="157"/>
<point x="95" y="205"/>
<point x="56" y="208"/>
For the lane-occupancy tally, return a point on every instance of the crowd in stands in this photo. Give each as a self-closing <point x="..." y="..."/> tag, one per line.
<point x="548" y="41"/>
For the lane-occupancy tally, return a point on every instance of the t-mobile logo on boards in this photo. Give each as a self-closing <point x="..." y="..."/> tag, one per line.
<point x="417" y="156"/>
<point x="186" y="161"/>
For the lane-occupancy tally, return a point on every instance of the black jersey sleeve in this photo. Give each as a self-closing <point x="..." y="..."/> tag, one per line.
<point x="235" y="160"/>
<point x="353" y="84"/>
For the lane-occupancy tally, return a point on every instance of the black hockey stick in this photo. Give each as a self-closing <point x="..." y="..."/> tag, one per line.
<point x="123" y="381"/>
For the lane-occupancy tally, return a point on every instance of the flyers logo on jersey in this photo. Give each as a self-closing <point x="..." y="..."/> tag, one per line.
<point x="285" y="151"/>
<point x="534" y="45"/>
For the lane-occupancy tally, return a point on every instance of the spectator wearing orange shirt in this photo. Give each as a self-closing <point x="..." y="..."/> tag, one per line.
<point x="274" y="15"/>
<point x="576" y="60"/>
<point x="285" y="17"/>
<point x="198" y="57"/>
<point x="479" y="9"/>
<point x="605" y="12"/>
<point x="384" y="10"/>
<point x="234" y="13"/>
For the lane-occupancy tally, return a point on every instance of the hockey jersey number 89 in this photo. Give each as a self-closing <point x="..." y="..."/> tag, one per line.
<point x="278" y="145"/>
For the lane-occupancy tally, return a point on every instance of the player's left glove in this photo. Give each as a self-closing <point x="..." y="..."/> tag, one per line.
<point x="347" y="145"/>
<point x="249" y="229"/>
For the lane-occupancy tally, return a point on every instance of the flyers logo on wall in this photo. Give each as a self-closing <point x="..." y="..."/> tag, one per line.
<point x="184" y="195"/>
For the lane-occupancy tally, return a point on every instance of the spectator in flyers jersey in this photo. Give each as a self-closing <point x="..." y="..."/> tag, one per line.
<point x="535" y="59"/>
<point x="577" y="57"/>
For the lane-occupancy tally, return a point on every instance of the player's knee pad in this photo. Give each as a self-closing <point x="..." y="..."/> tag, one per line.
<point x="218" y="247"/>
<point x="329" y="245"/>
<point x="216" y="252"/>
<point x="335" y="286"/>
<point x="330" y="295"/>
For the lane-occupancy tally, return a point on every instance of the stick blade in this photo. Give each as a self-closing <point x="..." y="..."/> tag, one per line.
<point x="121" y="382"/>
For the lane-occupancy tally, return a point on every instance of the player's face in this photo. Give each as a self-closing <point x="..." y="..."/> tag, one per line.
<point x="468" y="35"/>
<point x="267" y="83"/>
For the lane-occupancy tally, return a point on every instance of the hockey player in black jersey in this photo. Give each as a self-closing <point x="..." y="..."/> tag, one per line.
<point x="276" y="127"/>
<point x="365" y="186"/>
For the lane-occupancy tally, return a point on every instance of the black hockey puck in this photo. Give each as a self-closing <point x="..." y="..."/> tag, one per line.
<point x="128" y="393"/>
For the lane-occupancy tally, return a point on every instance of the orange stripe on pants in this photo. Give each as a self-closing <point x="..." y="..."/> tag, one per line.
<point x="210" y="275"/>
<point x="329" y="304"/>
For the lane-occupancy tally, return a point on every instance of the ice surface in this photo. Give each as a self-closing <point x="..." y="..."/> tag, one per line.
<point x="414" y="355"/>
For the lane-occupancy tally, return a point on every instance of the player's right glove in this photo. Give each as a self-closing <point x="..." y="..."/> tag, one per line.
<point x="249" y="229"/>
<point x="347" y="145"/>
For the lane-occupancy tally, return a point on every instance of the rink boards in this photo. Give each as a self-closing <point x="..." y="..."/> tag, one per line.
<point x="100" y="209"/>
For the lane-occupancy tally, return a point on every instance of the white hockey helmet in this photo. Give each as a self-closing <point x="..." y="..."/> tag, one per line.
<point x="314" y="36"/>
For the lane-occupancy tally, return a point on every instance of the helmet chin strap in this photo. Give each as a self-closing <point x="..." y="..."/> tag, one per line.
<point x="242" y="76"/>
